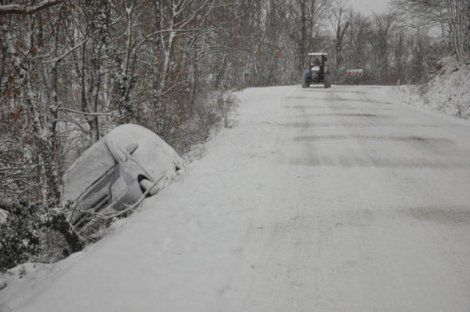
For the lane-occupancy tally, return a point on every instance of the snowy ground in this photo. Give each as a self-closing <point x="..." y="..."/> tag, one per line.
<point x="316" y="200"/>
<point x="447" y="92"/>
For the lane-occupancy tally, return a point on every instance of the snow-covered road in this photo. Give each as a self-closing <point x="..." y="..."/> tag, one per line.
<point x="316" y="200"/>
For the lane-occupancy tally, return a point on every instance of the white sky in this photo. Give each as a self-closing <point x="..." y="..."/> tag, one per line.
<point x="369" y="6"/>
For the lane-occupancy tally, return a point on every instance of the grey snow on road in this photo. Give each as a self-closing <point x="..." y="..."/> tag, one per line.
<point x="339" y="199"/>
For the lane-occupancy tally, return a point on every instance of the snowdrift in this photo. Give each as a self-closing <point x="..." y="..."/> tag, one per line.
<point x="448" y="91"/>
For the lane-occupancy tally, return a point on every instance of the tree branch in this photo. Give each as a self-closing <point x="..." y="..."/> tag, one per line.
<point x="85" y="113"/>
<point x="27" y="9"/>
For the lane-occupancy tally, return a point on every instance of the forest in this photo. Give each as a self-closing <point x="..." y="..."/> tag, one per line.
<point x="71" y="70"/>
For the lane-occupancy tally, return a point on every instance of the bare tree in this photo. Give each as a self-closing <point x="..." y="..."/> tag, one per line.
<point x="381" y="45"/>
<point x="453" y="16"/>
<point x="340" y="21"/>
<point x="310" y="14"/>
<point x="357" y="41"/>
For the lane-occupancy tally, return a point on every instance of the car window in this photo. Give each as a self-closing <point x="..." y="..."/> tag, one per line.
<point x="91" y="166"/>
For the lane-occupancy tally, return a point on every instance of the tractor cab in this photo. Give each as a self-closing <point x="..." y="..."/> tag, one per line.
<point x="316" y="71"/>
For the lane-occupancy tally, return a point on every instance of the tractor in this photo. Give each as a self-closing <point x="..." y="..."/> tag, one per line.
<point x="317" y="71"/>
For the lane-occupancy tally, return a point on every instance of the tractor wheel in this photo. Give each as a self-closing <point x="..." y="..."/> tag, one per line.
<point x="327" y="82"/>
<point x="305" y="83"/>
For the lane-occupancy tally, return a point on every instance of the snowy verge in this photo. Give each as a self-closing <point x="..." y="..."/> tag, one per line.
<point x="25" y="281"/>
<point x="448" y="92"/>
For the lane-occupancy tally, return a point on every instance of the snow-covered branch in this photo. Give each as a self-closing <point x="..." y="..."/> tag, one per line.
<point x="85" y="113"/>
<point x="27" y="9"/>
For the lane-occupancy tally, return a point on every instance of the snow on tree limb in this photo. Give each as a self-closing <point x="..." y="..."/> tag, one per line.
<point x="27" y="9"/>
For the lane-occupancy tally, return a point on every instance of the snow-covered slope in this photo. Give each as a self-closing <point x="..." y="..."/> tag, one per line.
<point x="448" y="91"/>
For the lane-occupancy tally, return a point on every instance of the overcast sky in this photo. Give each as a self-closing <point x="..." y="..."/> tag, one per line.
<point x="369" y="6"/>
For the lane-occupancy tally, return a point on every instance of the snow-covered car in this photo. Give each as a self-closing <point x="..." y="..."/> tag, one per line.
<point x="116" y="171"/>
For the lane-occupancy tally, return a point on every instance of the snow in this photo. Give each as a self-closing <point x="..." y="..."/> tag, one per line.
<point x="340" y="199"/>
<point x="157" y="158"/>
<point x="447" y="92"/>
<point x="3" y="215"/>
<point x="89" y="167"/>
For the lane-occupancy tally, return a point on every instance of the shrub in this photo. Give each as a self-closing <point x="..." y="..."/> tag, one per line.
<point x="34" y="233"/>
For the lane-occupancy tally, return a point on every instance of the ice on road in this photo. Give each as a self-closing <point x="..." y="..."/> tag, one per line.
<point x="317" y="199"/>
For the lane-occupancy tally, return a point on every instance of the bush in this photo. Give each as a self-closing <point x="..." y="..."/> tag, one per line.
<point x="34" y="233"/>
